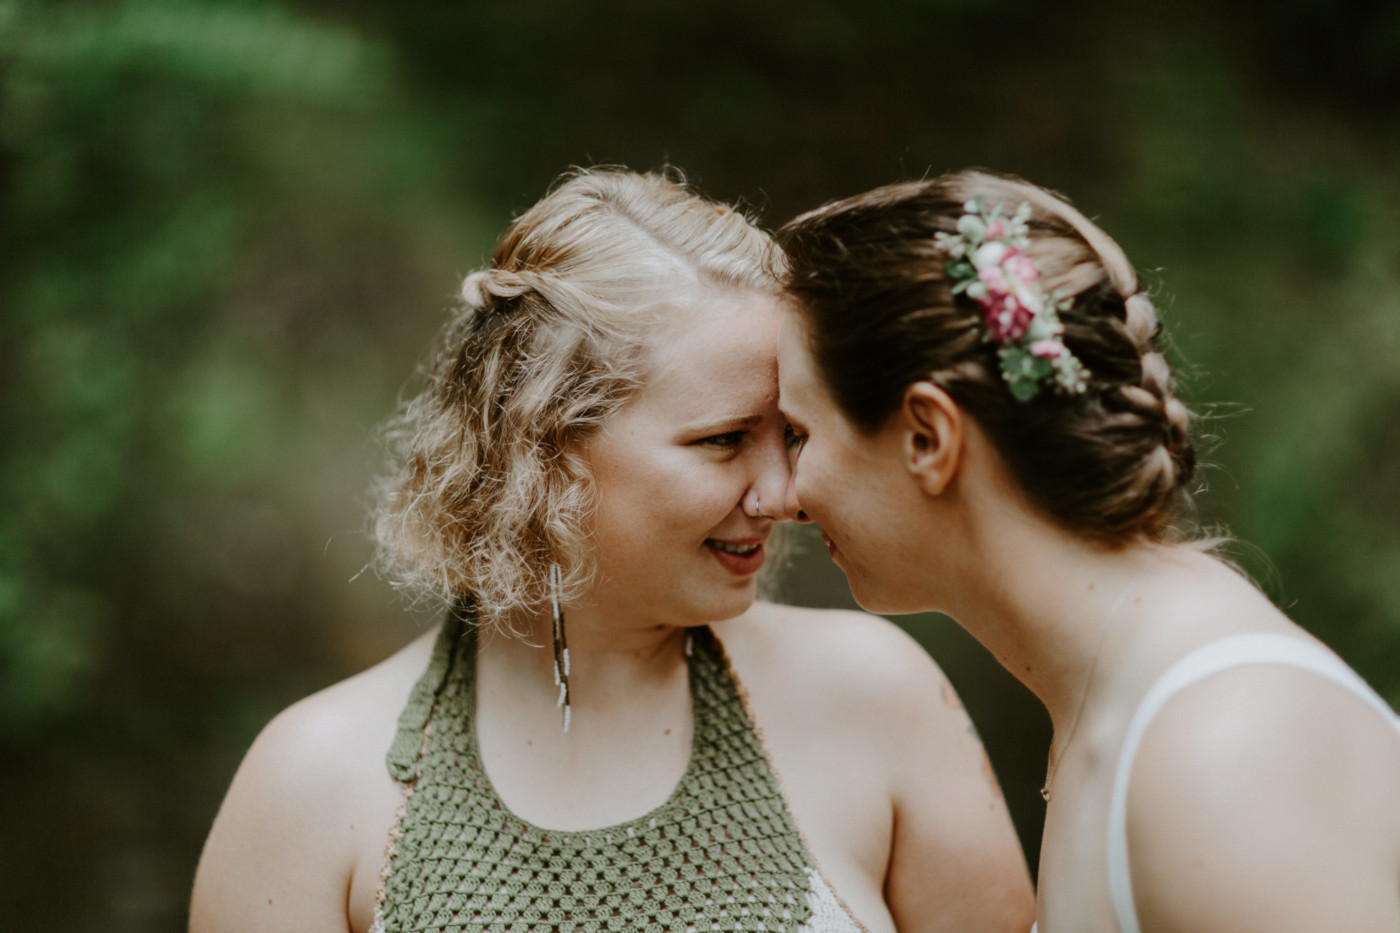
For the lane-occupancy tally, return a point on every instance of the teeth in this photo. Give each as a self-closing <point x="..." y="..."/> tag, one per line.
<point x="735" y="548"/>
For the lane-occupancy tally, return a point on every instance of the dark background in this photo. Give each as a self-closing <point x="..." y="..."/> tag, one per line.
<point x="229" y="230"/>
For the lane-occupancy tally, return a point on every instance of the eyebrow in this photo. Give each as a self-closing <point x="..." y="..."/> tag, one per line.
<point x="746" y="421"/>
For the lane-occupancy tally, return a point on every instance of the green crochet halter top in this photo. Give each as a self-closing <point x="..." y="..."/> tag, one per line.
<point x="722" y="852"/>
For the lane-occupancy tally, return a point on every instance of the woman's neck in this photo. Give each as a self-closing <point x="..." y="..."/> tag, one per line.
<point x="613" y="658"/>
<point x="1046" y="602"/>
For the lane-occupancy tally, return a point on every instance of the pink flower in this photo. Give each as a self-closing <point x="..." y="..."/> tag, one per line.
<point x="1019" y="264"/>
<point x="1047" y="349"/>
<point x="994" y="279"/>
<point x="995" y="229"/>
<point x="1006" y="318"/>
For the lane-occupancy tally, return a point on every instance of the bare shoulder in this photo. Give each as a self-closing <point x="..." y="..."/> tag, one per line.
<point x="311" y="800"/>
<point x="860" y="682"/>
<point x="1266" y="797"/>
<point x="911" y="791"/>
<point x="853" y="655"/>
<point x="340" y="725"/>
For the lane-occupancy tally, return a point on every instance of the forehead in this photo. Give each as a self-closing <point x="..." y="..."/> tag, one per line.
<point x="796" y="377"/>
<point x="714" y="351"/>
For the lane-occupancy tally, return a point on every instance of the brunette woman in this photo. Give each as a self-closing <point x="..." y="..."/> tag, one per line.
<point x="983" y="424"/>
<point x="592" y="475"/>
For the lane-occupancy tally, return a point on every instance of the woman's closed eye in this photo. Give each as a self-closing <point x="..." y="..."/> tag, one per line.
<point x="726" y="441"/>
<point x="793" y="439"/>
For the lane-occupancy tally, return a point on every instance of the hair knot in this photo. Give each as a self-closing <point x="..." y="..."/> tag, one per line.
<point x="492" y="289"/>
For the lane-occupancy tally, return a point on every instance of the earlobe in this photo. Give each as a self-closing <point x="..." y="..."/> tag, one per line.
<point x="933" y="436"/>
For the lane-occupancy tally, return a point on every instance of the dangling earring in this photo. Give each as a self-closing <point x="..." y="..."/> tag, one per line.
<point x="561" y="644"/>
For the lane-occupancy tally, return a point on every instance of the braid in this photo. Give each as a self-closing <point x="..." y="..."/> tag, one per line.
<point x="1111" y="463"/>
<point x="1153" y="425"/>
<point x="1143" y="329"/>
<point x="1165" y="422"/>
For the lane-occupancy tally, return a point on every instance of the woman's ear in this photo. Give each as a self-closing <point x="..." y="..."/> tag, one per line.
<point x="933" y="436"/>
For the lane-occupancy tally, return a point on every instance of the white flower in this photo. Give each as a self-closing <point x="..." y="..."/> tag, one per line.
<point x="989" y="254"/>
<point x="1027" y="295"/>
<point x="972" y="227"/>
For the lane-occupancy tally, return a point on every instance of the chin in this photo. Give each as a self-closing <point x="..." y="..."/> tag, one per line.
<point x="883" y="600"/>
<point x="737" y="607"/>
<point x="734" y="603"/>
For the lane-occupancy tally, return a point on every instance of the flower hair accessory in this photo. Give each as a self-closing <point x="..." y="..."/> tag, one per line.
<point x="987" y="259"/>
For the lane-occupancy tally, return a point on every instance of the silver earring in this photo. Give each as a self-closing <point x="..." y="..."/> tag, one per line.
<point x="561" y="644"/>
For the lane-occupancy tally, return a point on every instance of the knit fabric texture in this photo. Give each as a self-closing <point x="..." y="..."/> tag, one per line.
<point x="722" y="853"/>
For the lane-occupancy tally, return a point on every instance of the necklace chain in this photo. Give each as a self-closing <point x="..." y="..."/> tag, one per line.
<point x="1052" y="763"/>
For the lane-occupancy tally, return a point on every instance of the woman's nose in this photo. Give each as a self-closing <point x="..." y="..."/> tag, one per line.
<point x="792" y="509"/>
<point x="772" y="492"/>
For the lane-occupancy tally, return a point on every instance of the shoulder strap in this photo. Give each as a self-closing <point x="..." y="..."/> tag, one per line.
<point x="407" y="746"/>
<point x="1235" y="651"/>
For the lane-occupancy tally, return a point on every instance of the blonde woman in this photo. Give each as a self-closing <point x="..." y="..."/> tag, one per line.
<point x="592" y="474"/>
<point x="984" y="425"/>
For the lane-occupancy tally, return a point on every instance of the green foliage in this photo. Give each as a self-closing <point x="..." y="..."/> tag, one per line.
<point x="1282" y="298"/>
<point x="156" y="152"/>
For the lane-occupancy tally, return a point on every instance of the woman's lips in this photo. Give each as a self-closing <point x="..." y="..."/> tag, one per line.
<point x="830" y="544"/>
<point x="741" y="558"/>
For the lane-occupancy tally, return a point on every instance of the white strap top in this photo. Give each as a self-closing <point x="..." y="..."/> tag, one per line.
<point x="1235" y="651"/>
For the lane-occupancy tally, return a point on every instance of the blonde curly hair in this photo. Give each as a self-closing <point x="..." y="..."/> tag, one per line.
<point x="488" y="485"/>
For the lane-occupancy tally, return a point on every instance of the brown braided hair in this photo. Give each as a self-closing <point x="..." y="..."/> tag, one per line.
<point x="880" y="315"/>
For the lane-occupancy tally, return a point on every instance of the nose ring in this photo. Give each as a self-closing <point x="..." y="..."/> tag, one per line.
<point x="757" y="511"/>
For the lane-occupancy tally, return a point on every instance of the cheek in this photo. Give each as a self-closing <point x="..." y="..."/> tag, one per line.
<point x="664" y="503"/>
<point x="851" y="495"/>
<point x="702" y="496"/>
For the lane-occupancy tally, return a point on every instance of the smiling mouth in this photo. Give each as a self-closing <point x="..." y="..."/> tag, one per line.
<point x="741" y="558"/>
<point x="726" y="547"/>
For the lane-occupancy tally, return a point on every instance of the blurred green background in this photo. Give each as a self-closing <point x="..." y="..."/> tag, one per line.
<point x="228" y="231"/>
